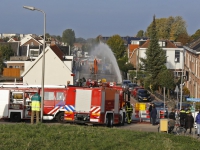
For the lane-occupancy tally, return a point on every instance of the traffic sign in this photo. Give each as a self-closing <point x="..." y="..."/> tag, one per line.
<point x="176" y="89"/>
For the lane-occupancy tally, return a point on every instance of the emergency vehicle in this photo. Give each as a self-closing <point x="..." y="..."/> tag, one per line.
<point x="15" y="102"/>
<point x="98" y="105"/>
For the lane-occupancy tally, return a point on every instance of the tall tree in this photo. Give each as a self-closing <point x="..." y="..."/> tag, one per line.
<point x="166" y="79"/>
<point x="68" y="37"/>
<point x="178" y="27"/>
<point x="1" y="63"/>
<point x="184" y="38"/>
<point x="155" y="57"/>
<point x="6" y="51"/>
<point x="140" y="33"/>
<point x="196" y="35"/>
<point x="116" y="44"/>
<point x="168" y="28"/>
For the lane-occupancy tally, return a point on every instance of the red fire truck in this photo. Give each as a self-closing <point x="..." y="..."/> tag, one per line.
<point x="98" y="105"/>
<point x="15" y="102"/>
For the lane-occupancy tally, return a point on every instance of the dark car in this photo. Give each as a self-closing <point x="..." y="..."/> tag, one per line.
<point x="143" y="95"/>
<point x="131" y="86"/>
<point x="160" y="106"/>
<point x="184" y="105"/>
<point x="134" y="91"/>
<point x="125" y="83"/>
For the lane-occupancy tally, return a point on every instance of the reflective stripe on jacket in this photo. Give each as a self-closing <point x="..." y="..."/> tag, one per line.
<point x="35" y="100"/>
<point x="35" y="106"/>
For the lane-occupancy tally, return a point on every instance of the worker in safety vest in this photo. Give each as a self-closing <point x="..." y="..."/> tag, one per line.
<point x="129" y="111"/>
<point x="188" y="111"/>
<point x="182" y="117"/>
<point x="35" y="107"/>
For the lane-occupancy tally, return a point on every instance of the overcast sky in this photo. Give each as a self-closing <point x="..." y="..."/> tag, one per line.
<point x="90" y="18"/>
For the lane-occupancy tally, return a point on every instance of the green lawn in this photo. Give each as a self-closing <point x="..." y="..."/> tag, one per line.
<point x="76" y="137"/>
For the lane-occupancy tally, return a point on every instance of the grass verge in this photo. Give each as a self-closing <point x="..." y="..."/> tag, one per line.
<point x="73" y="137"/>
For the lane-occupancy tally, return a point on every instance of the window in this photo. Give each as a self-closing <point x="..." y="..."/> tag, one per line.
<point x="49" y="95"/>
<point x="34" y="52"/>
<point x="60" y="96"/>
<point x="177" y="56"/>
<point x="32" y="44"/>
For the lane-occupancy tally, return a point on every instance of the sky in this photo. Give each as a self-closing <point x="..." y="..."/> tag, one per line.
<point x="91" y="18"/>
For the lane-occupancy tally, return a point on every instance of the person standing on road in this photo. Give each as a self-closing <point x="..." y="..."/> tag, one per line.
<point x="35" y="107"/>
<point x="189" y="122"/>
<point x="172" y="114"/>
<point x="182" y="117"/>
<point x="153" y="115"/>
<point x="150" y="109"/>
<point x="197" y="120"/>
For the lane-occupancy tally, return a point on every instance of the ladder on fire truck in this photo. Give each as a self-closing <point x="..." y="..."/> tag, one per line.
<point x="30" y="86"/>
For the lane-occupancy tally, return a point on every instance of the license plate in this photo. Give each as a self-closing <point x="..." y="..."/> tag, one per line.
<point x="144" y="99"/>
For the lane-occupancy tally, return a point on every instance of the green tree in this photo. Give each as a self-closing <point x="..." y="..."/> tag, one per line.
<point x="1" y="63"/>
<point x="155" y="57"/>
<point x="178" y="27"/>
<point x="140" y="33"/>
<point x="166" y="79"/>
<point x="80" y="40"/>
<point x="116" y="44"/>
<point x="168" y="28"/>
<point x="47" y="35"/>
<point x="68" y="37"/>
<point x="184" y="38"/>
<point x="196" y="35"/>
<point x="6" y="51"/>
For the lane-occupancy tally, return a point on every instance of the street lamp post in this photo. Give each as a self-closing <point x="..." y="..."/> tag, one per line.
<point x="181" y="85"/>
<point x="43" y="58"/>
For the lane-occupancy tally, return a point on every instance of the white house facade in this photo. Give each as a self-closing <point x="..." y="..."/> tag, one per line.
<point x="57" y="71"/>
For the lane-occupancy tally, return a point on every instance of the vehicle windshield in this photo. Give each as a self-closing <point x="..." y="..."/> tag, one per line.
<point x="132" y="85"/>
<point x="143" y="91"/>
<point x="159" y="104"/>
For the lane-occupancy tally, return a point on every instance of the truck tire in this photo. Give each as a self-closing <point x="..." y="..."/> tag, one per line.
<point x="15" y="117"/>
<point x="122" y="119"/>
<point x="109" y="120"/>
<point x="60" y="117"/>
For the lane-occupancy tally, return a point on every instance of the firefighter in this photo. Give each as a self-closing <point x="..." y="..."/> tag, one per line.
<point x="182" y="117"/>
<point x="129" y="111"/>
<point x="35" y="107"/>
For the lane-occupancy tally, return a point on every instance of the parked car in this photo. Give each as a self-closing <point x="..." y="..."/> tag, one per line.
<point x="131" y="86"/>
<point x="143" y="95"/>
<point x="134" y="91"/>
<point x="160" y="106"/>
<point x="184" y="105"/>
<point x="125" y="83"/>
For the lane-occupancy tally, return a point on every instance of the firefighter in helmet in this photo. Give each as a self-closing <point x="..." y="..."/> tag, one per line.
<point x="35" y="107"/>
<point x="129" y="111"/>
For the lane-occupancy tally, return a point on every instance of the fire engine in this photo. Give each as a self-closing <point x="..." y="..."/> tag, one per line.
<point x="98" y="105"/>
<point x="15" y="102"/>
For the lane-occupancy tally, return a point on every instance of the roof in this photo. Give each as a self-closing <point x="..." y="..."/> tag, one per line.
<point x="132" y="47"/>
<point x="57" y="51"/>
<point x="168" y="44"/>
<point x="54" y="48"/>
<point x="194" y="45"/>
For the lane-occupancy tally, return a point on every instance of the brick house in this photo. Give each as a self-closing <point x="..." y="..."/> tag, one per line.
<point x="192" y="67"/>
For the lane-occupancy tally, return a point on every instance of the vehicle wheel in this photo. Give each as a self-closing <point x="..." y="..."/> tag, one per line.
<point x="60" y="117"/>
<point x="180" y="130"/>
<point x="15" y="117"/>
<point x="109" y="120"/>
<point x="122" y="119"/>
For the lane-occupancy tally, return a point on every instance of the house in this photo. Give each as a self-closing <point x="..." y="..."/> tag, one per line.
<point x="57" y="70"/>
<point x="174" y="54"/>
<point x="192" y="67"/>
